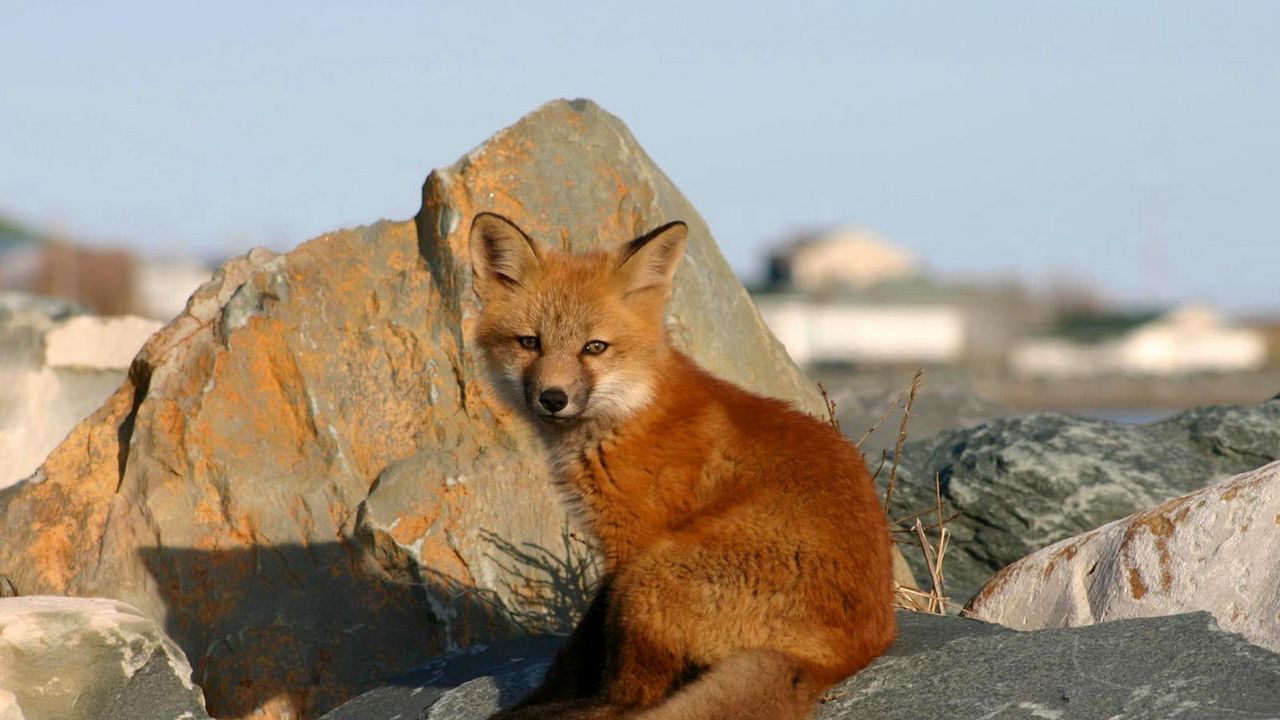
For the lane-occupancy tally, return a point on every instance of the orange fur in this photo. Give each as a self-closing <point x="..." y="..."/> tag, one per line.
<point x="747" y="557"/>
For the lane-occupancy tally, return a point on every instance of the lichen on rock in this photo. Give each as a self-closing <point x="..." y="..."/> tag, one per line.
<point x="304" y="476"/>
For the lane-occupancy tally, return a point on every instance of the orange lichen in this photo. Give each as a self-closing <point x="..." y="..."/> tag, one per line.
<point x="1245" y="484"/>
<point x="1161" y="526"/>
<point x="1067" y="553"/>
<point x="410" y="528"/>
<point x="1137" y="588"/>
<point x="993" y="586"/>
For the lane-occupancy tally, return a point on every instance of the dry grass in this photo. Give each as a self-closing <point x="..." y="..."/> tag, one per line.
<point x="925" y="530"/>
<point x="916" y="381"/>
<point x="934" y="550"/>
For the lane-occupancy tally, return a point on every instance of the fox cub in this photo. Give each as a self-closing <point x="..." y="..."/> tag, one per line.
<point x="747" y="558"/>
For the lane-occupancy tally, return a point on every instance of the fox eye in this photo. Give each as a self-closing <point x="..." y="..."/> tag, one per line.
<point x="529" y="342"/>
<point x="595" y="347"/>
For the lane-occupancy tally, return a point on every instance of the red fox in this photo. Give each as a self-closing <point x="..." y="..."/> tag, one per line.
<point x="747" y="558"/>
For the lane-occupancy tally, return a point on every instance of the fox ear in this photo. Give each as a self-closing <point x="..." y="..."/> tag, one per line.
<point x="502" y="256"/>
<point x="650" y="261"/>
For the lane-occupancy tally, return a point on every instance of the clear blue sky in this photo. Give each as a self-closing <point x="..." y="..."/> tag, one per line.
<point x="1136" y="145"/>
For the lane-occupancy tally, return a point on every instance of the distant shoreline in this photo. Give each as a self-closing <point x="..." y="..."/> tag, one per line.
<point x="1095" y="396"/>
<point x="1122" y="392"/>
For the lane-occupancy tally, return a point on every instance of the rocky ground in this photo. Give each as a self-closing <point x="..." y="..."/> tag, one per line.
<point x="1180" y="666"/>
<point x="302" y="487"/>
<point x="1021" y="483"/>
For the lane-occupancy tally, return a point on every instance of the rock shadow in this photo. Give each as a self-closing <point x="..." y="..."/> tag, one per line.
<point x="556" y="585"/>
<point x="549" y="588"/>
<point x="303" y="628"/>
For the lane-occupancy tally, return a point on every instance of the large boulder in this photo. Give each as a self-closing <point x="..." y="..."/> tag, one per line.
<point x="67" y="658"/>
<point x="1210" y="550"/>
<point x="1022" y="483"/>
<point x="57" y="365"/>
<point x="1182" y="666"/>
<point x="303" y="474"/>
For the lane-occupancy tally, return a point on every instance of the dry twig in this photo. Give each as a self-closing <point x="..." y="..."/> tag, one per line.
<point x="902" y="438"/>
<point x="876" y="426"/>
<point x="832" y="420"/>
<point x="884" y="456"/>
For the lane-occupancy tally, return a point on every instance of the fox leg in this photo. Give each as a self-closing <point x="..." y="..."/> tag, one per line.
<point x="646" y="670"/>
<point x="699" y="639"/>
<point x="582" y="709"/>
<point x="686" y="633"/>
<point x="637" y="669"/>
<point x="577" y="672"/>
<point x="645" y="674"/>
<point x="653" y="629"/>
<point x="750" y="685"/>
<point x="604" y="671"/>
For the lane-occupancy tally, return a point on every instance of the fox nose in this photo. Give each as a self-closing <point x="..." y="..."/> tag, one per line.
<point x="553" y="400"/>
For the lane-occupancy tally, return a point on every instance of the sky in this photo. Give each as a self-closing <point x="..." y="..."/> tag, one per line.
<point x="1132" y="146"/>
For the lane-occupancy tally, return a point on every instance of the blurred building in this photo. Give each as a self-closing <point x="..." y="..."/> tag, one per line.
<point x="1191" y="339"/>
<point x="1269" y="329"/>
<point x="109" y="281"/>
<point x="58" y="363"/>
<point x="162" y="286"/>
<point x="848" y="296"/>
<point x="840" y="258"/>
<point x="844" y="330"/>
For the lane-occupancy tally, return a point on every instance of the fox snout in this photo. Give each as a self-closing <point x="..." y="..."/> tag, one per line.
<point x="553" y="400"/>
<point x="554" y="389"/>
<point x="553" y="405"/>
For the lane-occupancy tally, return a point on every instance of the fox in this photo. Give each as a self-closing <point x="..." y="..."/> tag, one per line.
<point x="746" y="563"/>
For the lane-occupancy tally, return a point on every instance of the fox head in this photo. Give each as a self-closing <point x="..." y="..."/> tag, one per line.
<point x="573" y="338"/>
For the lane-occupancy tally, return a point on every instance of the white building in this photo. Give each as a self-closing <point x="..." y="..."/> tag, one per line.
<point x="818" y="331"/>
<point x="1190" y="339"/>
<point x="848" y="296"/>
<point x="163" y="285"/>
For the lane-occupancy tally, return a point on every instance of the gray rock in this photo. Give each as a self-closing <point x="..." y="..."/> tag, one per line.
<point x="1025" y="482"/>
<point x="1211" y="550"/>
<point x="90" y="659"/>
<point x="1180" y="666"/>
<point x="469" y="682"/>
